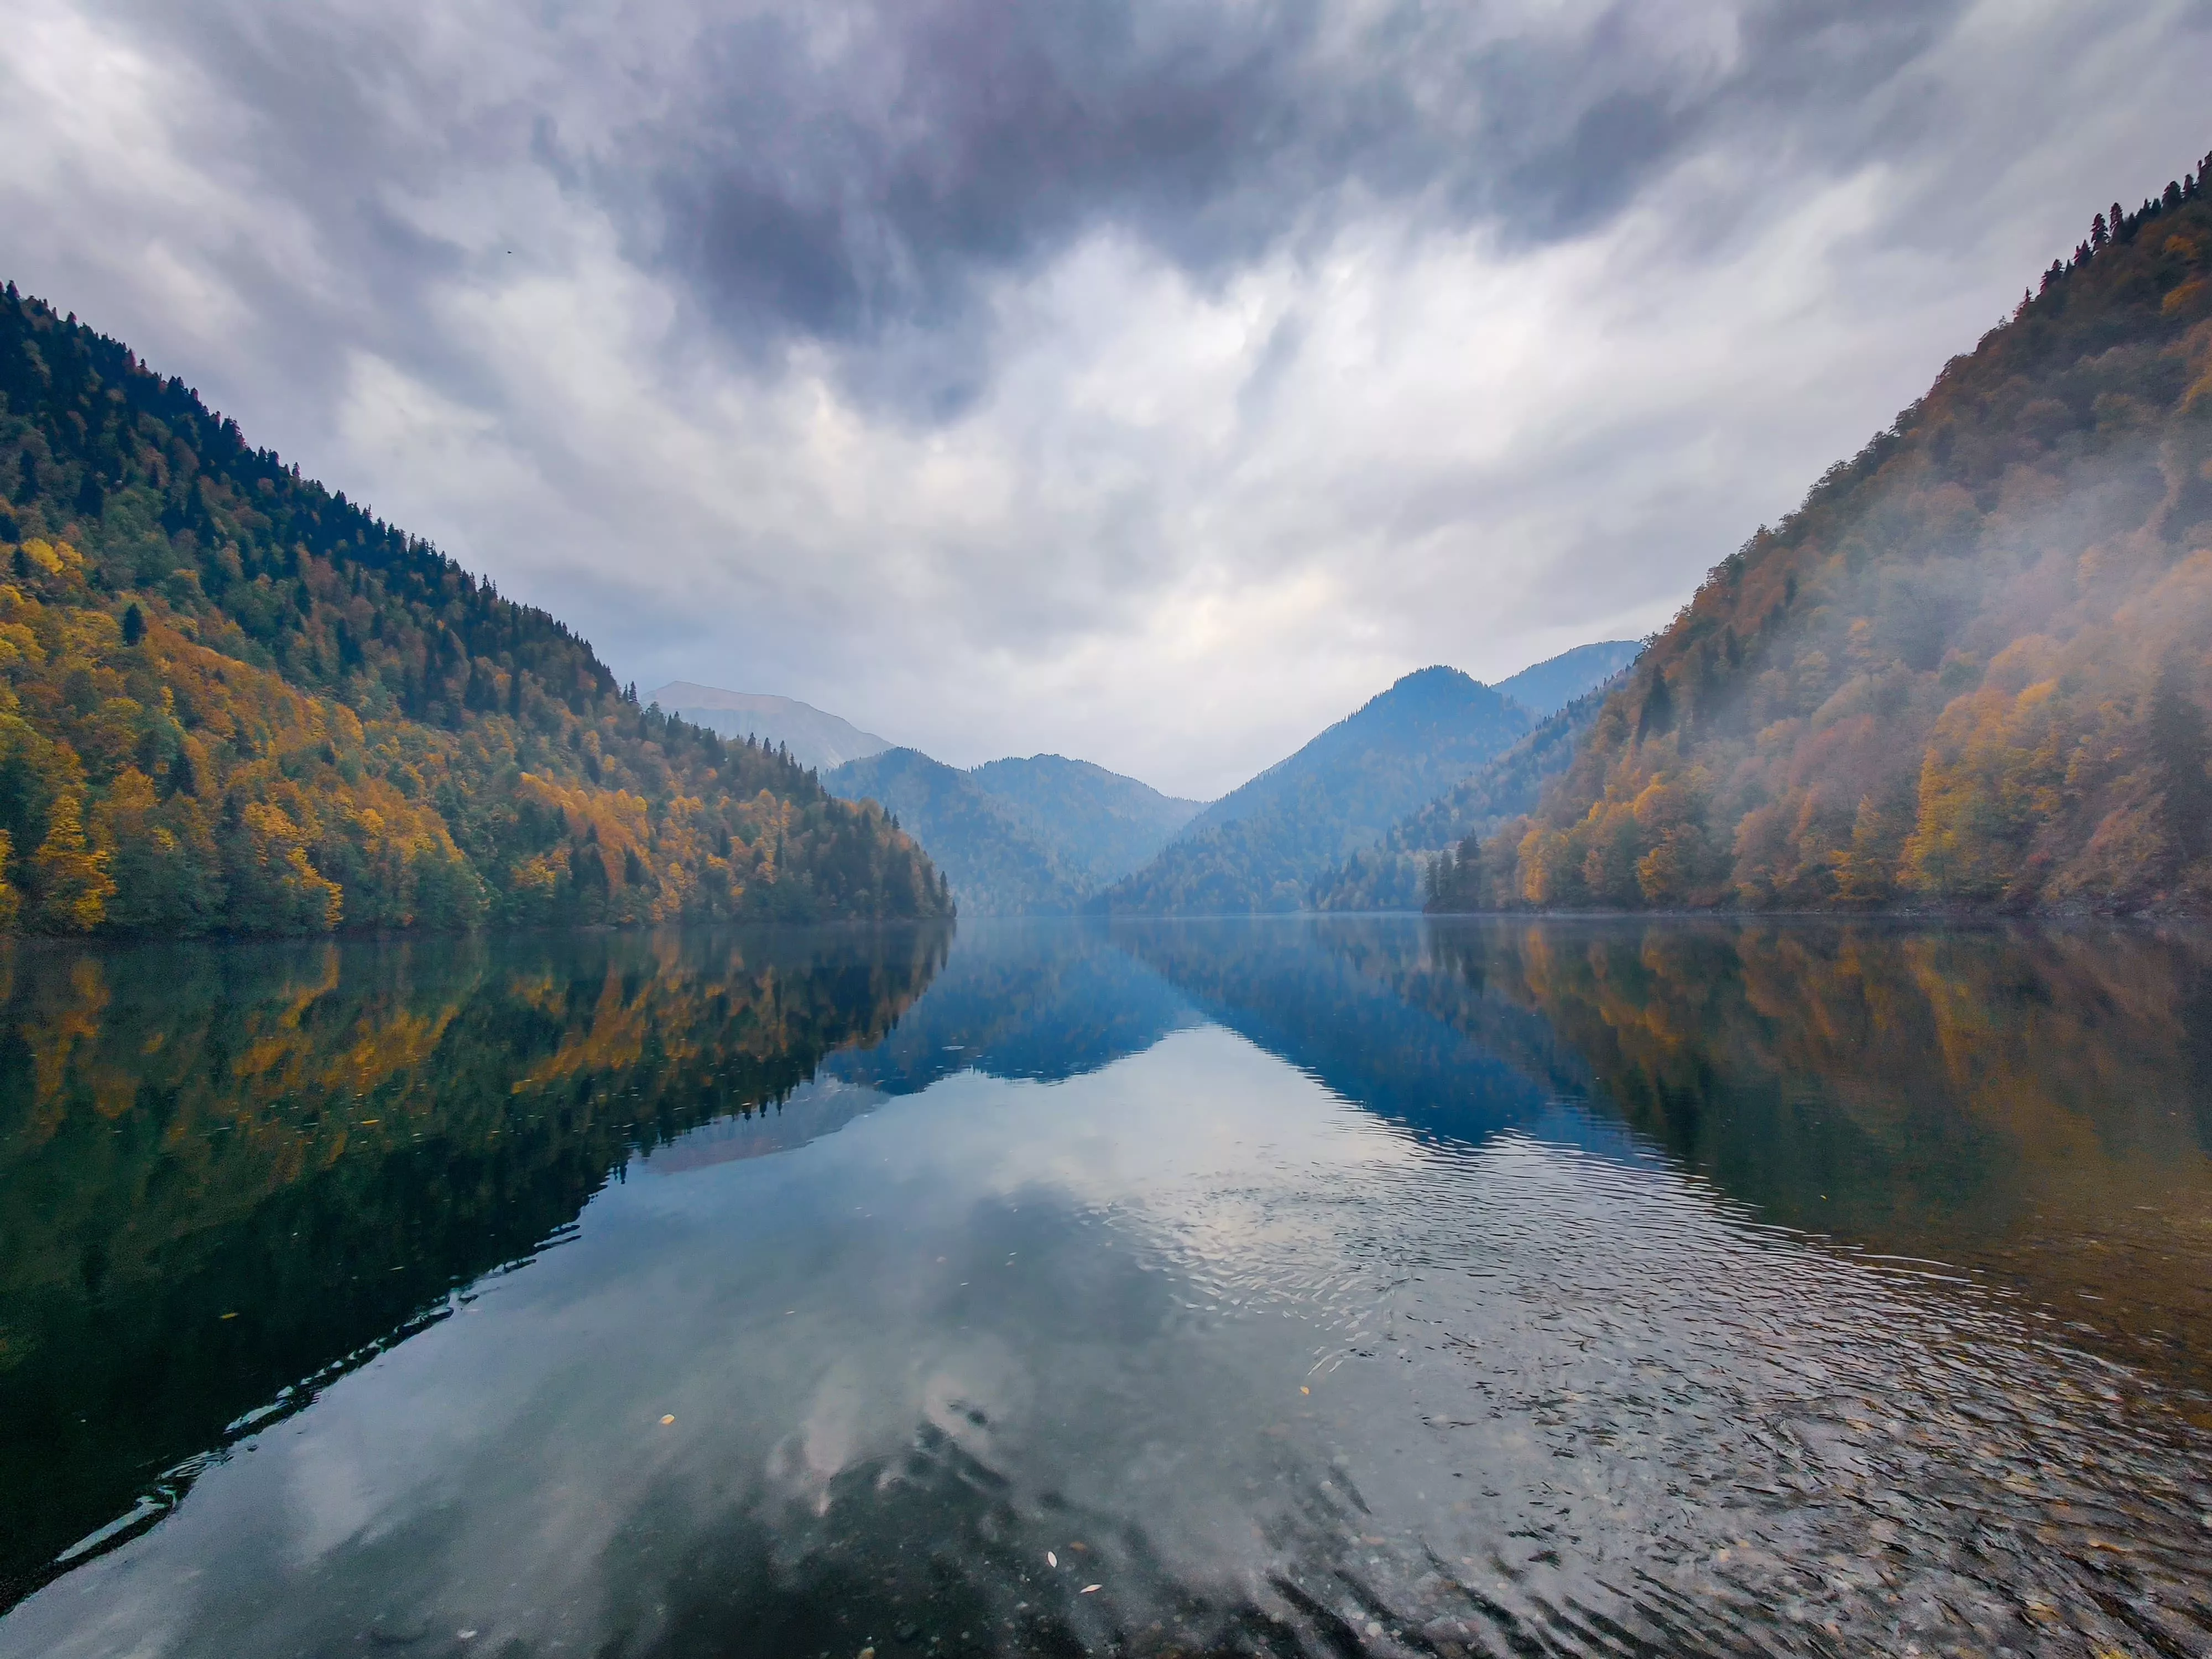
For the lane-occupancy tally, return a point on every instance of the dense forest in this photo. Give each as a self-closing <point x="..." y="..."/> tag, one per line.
<point x="231" y="700"/>
<point x="1971" y="670"/>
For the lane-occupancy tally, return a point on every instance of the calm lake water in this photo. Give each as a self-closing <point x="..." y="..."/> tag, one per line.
<point x="1307" y="1286"/>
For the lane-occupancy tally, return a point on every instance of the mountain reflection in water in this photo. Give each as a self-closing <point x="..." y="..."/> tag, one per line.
<point x="1284" y="1286"/>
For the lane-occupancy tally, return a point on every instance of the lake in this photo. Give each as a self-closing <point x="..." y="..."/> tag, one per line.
<point x="1313" y="1285"/>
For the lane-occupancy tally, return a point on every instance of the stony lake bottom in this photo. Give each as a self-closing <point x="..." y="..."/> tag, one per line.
<point x="1328" y="1286"/>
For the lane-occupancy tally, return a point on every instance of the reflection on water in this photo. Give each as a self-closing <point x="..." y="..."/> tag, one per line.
<point x="227" y="1175"/>
<point x="1278" y="1286"/>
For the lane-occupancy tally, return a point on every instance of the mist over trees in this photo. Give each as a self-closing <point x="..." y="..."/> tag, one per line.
<point x="1971" y="670"/>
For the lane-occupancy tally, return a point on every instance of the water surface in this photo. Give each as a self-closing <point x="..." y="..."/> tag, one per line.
<point x="1321" y="1286"/>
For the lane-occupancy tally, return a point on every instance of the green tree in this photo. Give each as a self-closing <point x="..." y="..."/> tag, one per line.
<point x="2180" y="752"/>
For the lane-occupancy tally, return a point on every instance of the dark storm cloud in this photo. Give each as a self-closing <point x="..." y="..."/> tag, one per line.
<point x="862" y="174"/>
<point x="845" y="189"/>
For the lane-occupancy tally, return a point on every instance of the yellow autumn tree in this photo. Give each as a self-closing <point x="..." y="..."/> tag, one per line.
<point x="70" y="874"/>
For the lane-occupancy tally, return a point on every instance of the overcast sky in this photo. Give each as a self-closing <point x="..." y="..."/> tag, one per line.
<point x="1146" y="381"/>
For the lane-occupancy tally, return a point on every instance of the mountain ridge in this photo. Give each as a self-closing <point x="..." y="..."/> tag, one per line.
<point x="1018" y="836"/>
<point x="1259" y="848"/>
<point x="1392" y="875"/>
<point x="232" y="700"/>
<point x="1544" y="688"/>
<point x="814" y="736"/>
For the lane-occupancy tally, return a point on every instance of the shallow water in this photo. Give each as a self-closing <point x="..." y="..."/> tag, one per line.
<point x="1306" y="1286"/>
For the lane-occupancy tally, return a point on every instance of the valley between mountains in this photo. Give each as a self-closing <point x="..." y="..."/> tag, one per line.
<point x="1048" y="835"/>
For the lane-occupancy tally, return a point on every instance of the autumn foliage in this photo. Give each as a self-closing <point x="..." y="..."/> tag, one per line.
<point x="1972" y="671"/>
<point x="230" y="700"/>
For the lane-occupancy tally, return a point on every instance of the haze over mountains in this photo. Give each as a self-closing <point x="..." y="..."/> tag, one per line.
<point x="1036" y="836"/>
<point x="820" y="740"/>
<point x="1051" y="835"/>
<point x="1971" y="670"/>
<point x="1544" y="688"/>
<point x="1392" y="874"/>
<point x="1265" y="846"/>
<point x="1259" y="848"/>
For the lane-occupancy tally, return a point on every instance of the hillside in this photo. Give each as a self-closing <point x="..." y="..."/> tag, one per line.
<point x="1260" y="848"/>
<point x="814" y="739"/>
<point x="1549" y="686"/>
<point x="1019" y="837"/>
<point x="1971" y="670"/>
<point x="1098" y="823"/>
<point x="231" y="700"/>
<point x="1392" y="875"/>
<point x="996" y="865"/>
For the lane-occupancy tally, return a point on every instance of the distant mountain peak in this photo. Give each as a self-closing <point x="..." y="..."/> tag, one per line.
<point x="816" y="738"/>
<point x="1546" y="687"/>
<point x="1260" y="846"/>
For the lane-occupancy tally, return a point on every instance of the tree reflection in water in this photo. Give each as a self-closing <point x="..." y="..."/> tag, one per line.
<point x="230" y="1174"/>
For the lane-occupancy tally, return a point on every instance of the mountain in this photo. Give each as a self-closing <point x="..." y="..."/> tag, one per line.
<point x="1096" y="822"/>
<point x="1260" y="848"/>
<point x="1971" y="670"/>
<point x="231" y="700"/>
<point x="996" y="865"/>
<point x="1391" y="875"/>
<point x="814" y="739"/>
<point x="1552" y="684"/>
<point x="1019" y="837"/>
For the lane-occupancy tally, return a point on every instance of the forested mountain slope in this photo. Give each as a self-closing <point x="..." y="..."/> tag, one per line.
<point x="1019" y="837"/>
<point x="1099" y="823"/>
<point x="1260" y="848"/>
<point x="1392" y="875"/>
<point x="231" y="700"/>
<point x="1971" y="670"/>
<point x="996" y="865"/>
